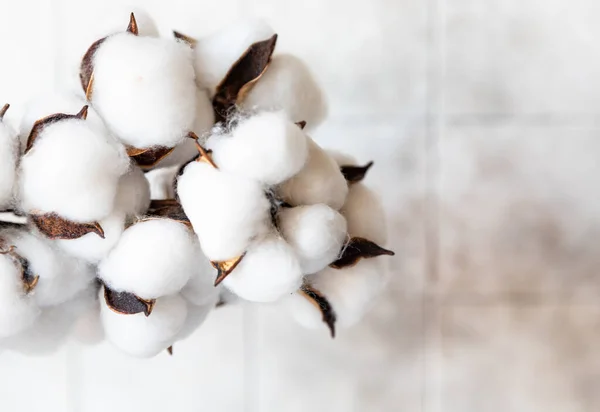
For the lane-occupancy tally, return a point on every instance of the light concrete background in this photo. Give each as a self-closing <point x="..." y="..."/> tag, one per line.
<point x="483" y="120"/>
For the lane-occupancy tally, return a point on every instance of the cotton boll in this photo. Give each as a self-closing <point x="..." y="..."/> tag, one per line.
<point x="288" y="85"/>
<point x="365" y="215"/>
<point x="152" y="258"/>
<point x="52" y="328"/>
<point x="196" y="315"/>
<point x="266" y="147"/>
<point x="316" y="233"/>
<point x="50" y="103"/>
<point x="215" y="54"/>
<point x="205" y="119"/>
<point x="61" y="277"/>
<point x="133" y="194"/>
<point x="319" y="181"/>
<point x="144" y="89"/>
<point x="91" y="247"/>
<point x="200" y="289"/>
<point x="226" y="211"/>
<point x="143" y="336"/>
<point x="73" y="169"/>
<point x="9" y="151"/>
<point x="17" y="311"/>
<point x="268" y="271"/>
<point x="351" y="291"/>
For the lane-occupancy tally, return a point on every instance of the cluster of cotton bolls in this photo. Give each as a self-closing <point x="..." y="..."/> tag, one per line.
<point x="257" y="208"/>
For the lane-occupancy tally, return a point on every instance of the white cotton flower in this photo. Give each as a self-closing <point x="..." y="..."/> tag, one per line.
<point x="145" y="336"/>
<point x="319" y="181"/>
<point x="316" y="233"/>
<point x="196" y="315"/>
<point x="17" y="310"/>
<point x="144" y="89"/>
<point x="268" y="271"/>
<point x="288" y="85"/>
<point x="215" y="54"/>
<point x="153" y="258"/>
<point x="61" y="277"/>
<point x="226" y="211"/>
<point x="266" y="147"/>
<point x="9" y="152"/>
<point x="73" y="169"/>
<point x="365" y="215"/>
<point x="205" y="119"/>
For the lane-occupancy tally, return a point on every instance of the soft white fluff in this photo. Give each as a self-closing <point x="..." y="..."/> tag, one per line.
<point x="316" y="233"/>
<point x="205" y="119"/>
<point x="91" y="247"/>
<point x="196" y="315"/>
<point x="351" y="292"/>
<point x="269" y="271"/>
<point x="17" y="311"/>
<point x="200" y="289"/>
<point x="73" y="169"/>
<point x="153" y="258"/>
<point x="48" y="103"/>
<point x="144" y="89"/>
<point x="289" y="85"/>
<point x="266" y="147"/>
<point x="9" y="151"/>
<point x="320" y="181"/>
<point x="162" y="182"/>
<point x="215" y="54"/>
<point x="50" y="330"/>
<point x="226" y="211"/>
<point x="133" y="194"/>
<point x="143" y="336"/>
<point x="61" y="277"/>
<point x="365" y="215"/>
<point x="342" y="159"/>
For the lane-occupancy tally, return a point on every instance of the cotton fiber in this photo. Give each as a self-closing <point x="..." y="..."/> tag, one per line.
<point x="9" y="151"/>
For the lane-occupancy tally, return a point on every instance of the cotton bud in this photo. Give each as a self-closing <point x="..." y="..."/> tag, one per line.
<point x="365" y="214"/>
<point x="266" y="147"/>
<point x="217" y="53"/>
<point x="64" y="170"/>
<point x="17" y="310"/>
<point x="145" y="336"/>
<point x="268" y="271"/>
<point x="9" y="153"/>
<point x="319" y="181"/>
<point x="288" y="85"/>
<point x="205" y="119"/>
<point x="144" y="89"/>
<point x="153" y="258"/>
<point x="226" y="211"/>
<point x="316" y="233"/>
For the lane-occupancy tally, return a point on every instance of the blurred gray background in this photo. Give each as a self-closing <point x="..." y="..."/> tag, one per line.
<point x="483" y="120"/>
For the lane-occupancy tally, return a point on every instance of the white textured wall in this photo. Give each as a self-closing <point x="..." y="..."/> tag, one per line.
<point x="482" y="118"/>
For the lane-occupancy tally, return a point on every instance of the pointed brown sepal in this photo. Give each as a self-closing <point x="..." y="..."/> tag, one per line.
<point x="356" y="249"/>
<point x="127" y="303"/>
<point x="55" y="227"/>
<point x="320" y="302"/>
<point x="86" y="68"/>
<point x="170" y="350"/>
<point x="184" y="38"/>
<point x="225" y="268"/>
<point x="44" y="122"/>
<point x="354" y="174"/>
<point x="301" y="124"/>
<point x="28" y="278"/>
<point x="132" y="27"/>
<point x="168" y="209"/>
<point x="148" y="158"/>
<point x="242" y="75"/>
<point x="4" y="110"/>
<point x="203" y="154"/>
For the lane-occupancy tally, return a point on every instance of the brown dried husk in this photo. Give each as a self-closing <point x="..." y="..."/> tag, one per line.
<point x="322" y="303"/>
<point x="55" y="227"/>
<point x="354" y="174"/>
<point x="126" y="303"/>
<point x="358" y="248"/>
